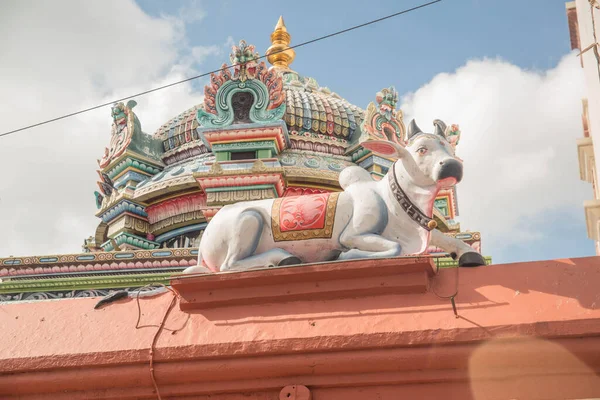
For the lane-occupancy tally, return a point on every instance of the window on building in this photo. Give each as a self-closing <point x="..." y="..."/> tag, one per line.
<point x="243" y="155"/>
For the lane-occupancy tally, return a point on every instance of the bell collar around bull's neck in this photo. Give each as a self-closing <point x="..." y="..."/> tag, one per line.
<point x="410" y="208"/>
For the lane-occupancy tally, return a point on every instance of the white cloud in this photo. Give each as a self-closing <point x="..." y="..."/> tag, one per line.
<point x="518" y="143"/>
<point x="200" y="53"/>
<point x="58" y="58"/>
<point x="191" y="11"/>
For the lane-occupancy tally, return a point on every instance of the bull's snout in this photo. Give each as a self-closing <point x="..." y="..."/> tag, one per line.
<point x="450" y="168"/>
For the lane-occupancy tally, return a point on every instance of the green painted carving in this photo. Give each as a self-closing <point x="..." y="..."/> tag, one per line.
<point x="359" y="153"/>
<point x="131" y="162"/>
<point x="447" y="262"/>
<point x="265" y="153"/>
<point x="265" y="147"/>
<point x="133" y="240"/>
<point x="259" y="112"/>
<point x="223" y="156"/>
<point x="442" y="205"/>
<point x="240" y="188"/>
<point x="91" y="282"/>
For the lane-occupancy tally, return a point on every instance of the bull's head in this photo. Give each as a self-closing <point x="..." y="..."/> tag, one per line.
<point x="433" y="160"/>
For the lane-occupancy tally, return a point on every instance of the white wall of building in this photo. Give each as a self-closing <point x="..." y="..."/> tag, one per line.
<point x="588" y="19"/>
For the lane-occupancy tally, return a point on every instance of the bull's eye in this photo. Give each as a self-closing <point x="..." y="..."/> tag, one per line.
<point x="422" y="151"/>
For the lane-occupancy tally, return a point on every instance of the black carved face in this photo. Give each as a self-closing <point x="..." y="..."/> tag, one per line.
<point x="242" y="103"/>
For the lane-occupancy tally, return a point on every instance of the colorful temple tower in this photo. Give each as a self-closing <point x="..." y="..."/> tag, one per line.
<point x="380" y="328"/>
<point x="262" y="132"/>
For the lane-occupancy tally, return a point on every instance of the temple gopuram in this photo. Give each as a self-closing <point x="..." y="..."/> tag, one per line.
<point x="121" y="321"/>
<point x="283" y="135"/>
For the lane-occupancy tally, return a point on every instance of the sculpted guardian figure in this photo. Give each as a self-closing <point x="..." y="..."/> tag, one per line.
<point x="387" y="218"/>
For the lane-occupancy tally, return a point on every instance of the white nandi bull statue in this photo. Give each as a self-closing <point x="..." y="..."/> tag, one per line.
<point x="387" y="218"/>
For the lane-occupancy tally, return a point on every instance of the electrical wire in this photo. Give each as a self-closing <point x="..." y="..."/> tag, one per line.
<point x="220" y="69"/>
<point x="452" y="296"/>
<point x="160" y="327"/>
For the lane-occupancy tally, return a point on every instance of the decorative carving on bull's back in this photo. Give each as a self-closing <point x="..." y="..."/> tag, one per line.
<point x="304" y="217"/>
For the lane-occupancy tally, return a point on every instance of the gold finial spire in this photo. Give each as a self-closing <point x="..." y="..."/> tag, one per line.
<point x="280" y="42"/>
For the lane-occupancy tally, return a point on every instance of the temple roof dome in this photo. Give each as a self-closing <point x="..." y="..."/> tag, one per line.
<point x="317" y="119"/>
<point x="313" y="109"/>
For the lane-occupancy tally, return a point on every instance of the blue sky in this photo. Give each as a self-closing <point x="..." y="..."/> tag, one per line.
<point x="407" y="51"/>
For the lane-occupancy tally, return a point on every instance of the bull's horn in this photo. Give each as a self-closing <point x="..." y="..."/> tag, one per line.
<point x="413" y="129"/>
<point x="440" y="127"/>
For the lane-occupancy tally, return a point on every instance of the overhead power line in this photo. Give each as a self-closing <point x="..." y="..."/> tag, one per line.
<point x="220" y="69"/>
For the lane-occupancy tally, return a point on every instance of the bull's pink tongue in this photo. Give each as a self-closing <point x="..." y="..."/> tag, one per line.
<point x="446" y="182"/>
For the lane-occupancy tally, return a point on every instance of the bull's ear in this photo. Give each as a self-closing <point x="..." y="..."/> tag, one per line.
<point x="384" y="148"/>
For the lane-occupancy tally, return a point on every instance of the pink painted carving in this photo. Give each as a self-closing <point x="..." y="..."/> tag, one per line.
<point x="274" y="133"/>
<point x="301" y="213"/>
<point x="177" y="206"/>
<point x="302" y="191"/>
<point x="244" y="180"/>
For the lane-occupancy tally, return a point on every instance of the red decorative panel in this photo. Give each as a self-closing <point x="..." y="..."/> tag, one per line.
<point x="304" y="217"/>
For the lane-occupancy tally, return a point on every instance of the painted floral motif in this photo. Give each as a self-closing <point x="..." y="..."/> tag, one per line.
<point x="304" y="217"/>
<point x="300" y="213"/>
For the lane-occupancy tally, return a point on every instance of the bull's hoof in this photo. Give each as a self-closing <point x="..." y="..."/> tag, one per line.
<point x="289" y="261"/>
<point x="471" y="259"/>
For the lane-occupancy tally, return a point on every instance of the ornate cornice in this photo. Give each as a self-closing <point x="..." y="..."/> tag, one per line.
<point x="172" y="207"/>
<point x="236" y="196"/>
<point x="184" y="151"/>
<point x="135" y="160"/>
<point x="130" y="241"/>
<point x="153" y="190"/>
<point x="80" y="283"/>
<point x="177" y="220"/>
<point x="121" y="206"/>
<point x="276" y="131"/>
<point x="298" y="174"/>
<point x="128" y="223"/>
<point x="98" y="261"/>
<point x="227" y="179"/>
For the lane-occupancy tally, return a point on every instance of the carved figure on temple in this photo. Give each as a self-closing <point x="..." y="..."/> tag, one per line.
<point x="453" y="134"/>
<point x="369" y="219"/>
<point x="125" y="124"/>
<point x="243" y="59"/>
<point x="383" y="122"/>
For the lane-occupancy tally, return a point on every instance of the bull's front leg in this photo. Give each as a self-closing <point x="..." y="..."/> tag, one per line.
<point x="368" y="246"/>
<point x="467" y="257"/>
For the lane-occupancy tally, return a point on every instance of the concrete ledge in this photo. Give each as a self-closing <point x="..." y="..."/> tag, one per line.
<point x="525" y="330"/>
<point x="324" y="281"/>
